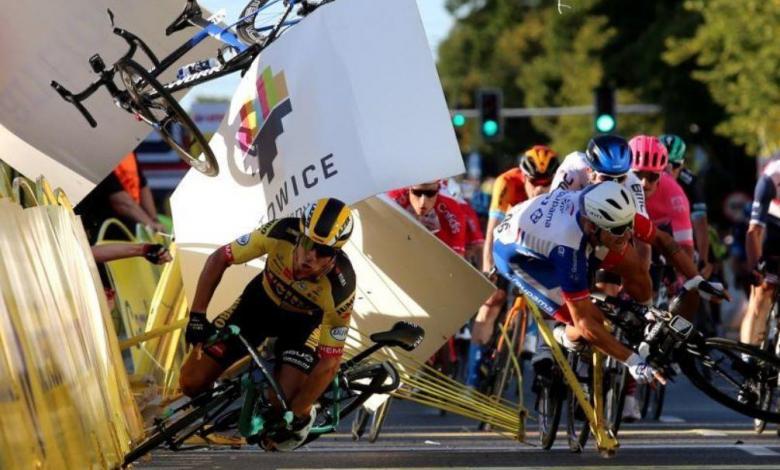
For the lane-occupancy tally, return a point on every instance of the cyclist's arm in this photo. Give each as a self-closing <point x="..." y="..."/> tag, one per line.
<point x="764" y="193"/>
<point x="487" y="248"/>
<point x="572" y="272"/>
<point x="681" y="220"/>
<point x="243" y="249"/>
<point x="681" y="259"/>
<point x="590" y="321"/>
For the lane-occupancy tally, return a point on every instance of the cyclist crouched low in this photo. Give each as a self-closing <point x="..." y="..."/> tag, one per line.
<point x="303" y="297"/>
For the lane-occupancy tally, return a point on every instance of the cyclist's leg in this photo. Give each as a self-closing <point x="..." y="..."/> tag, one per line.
<point x="482" y="330"/>
<point x="754" y="323"/>
<point x="298" y="336"/>
<point x="203" y="366"/>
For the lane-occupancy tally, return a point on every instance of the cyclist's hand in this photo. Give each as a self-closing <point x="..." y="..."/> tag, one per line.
<point x="643" y="372"/>
<point x="713" y="291"/>
<point x="199" y="329"/>
<point x="156" y="253"/>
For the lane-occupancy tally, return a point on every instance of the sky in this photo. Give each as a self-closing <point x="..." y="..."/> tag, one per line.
<point x="436" y="20"/>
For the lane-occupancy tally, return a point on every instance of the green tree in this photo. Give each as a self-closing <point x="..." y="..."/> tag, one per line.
<point x="735" y="53"/>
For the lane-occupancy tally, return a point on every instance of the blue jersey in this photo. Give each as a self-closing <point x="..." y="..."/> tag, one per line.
<point x="766" y="205"/>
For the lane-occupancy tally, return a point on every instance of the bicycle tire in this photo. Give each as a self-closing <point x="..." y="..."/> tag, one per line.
<point x="615" y="381"/>
<point x="128" y="69"/>
<point x="770" y="346"/>
<point x="767" y="369"/>
<point x="169" y="431"/>
<point x="378" y="420"/>
<point x="578" y="426"/>
<point x="549" y="407"/>
<point x="246" y="29"/>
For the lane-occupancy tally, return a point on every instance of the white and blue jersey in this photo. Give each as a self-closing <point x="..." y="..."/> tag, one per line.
<point x="541" y="248"/>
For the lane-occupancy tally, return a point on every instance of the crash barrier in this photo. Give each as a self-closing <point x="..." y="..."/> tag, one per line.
<point x="161" y="345"/>
<point x="65" y="400"/>
<point x="423" y="384"/>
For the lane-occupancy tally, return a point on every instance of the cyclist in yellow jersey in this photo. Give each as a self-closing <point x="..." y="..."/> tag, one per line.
<point x="303" y="297"/>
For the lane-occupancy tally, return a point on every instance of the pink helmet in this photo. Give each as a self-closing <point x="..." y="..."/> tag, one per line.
<point x="648" y="154"/>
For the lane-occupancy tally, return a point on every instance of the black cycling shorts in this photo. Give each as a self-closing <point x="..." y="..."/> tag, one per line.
<point x="259" y="318"/>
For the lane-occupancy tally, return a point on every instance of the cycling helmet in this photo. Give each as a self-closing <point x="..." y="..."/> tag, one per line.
<point x="607" y="205"/>
<point x="648" y="154"/>
<point x="609" y="154"/>
<point x="539" y="161"/>
<point x="675" y="147"/>
<point x="327" y="222"/>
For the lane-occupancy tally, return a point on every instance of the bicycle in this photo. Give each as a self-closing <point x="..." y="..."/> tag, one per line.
<point x="245" y="402"/>
<point x="769" y="393"/>
<point x="727" y="371"/>
<point x="151" y="101"/>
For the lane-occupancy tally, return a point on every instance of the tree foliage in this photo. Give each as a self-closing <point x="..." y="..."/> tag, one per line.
<point x="736" y="55"/>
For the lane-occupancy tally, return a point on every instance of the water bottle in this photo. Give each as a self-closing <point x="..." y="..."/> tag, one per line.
<point x="195" y="67"/>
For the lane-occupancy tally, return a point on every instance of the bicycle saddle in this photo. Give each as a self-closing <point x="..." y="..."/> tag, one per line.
<point x="191" y="10"/>
<point x="404" y="334"/>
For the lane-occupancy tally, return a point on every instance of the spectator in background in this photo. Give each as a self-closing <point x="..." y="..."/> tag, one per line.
<point x="123" y="194"/>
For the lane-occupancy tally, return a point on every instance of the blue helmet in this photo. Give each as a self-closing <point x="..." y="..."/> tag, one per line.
<point x="609" y="154"/>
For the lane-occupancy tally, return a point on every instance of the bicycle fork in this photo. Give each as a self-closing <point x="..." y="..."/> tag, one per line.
<point x="606" y="443"/>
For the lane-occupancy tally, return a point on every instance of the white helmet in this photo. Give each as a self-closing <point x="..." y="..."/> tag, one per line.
<point x="607" y="205"/>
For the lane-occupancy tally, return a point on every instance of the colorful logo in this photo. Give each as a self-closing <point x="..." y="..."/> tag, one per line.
<point x="261" y="123"/>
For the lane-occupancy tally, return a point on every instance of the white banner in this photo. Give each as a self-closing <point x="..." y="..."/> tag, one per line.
<point x="42" y="41"/>
<point x="346" y="104"/>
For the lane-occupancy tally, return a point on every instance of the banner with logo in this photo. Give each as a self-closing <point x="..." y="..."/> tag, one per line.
<point x="42" y="41"/>
<point x="346" y="103"/>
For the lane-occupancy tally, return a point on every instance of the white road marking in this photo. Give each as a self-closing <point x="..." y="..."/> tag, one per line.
<point x="757" y="450"/>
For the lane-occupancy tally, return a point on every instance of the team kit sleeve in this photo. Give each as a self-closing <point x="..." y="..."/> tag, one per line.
<point x="571" y="267"/>
<point x="762" y="197"/>
<point x="682" y="230"/>
<point x="334" y="328"/>
<point x="474" y="233"/>
<point x="250" y="246"/>
<point x="498" y="207"/>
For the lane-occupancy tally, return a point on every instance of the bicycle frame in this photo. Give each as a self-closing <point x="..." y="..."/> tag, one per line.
<point x="605" y="442"/>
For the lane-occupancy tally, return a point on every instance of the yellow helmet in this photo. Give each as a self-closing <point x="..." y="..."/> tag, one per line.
<point x="539" y="162"/>
<point x="327" y="222"/>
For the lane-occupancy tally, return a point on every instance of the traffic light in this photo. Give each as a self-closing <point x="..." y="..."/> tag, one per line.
<point x="605" y="119"/>
<point x="489" y="106"/>
<point x="458" y="120"/>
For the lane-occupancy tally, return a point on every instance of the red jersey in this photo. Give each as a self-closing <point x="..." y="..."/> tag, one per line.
<point x="447" y="220"/>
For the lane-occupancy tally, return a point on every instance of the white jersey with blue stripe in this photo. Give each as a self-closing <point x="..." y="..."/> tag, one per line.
<point x="572" y="174"/>
<point x="546" y="228"/>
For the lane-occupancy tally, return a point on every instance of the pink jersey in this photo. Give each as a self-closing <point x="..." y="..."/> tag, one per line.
<point x="669" y="207"/>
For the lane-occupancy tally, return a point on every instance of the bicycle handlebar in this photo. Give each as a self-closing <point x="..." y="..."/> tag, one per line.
<point x="75" y="100"/>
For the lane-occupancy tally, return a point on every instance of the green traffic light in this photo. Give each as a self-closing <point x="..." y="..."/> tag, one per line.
<point x="459" y="120"/>
<point x="490" y="128"/>
<point x="605" y="123"/>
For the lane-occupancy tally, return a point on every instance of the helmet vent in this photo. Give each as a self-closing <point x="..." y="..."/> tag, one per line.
<point x="613" y="203"/>
<point x="605" y="214"/>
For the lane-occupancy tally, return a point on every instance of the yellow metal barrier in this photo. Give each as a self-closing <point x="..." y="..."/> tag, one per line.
<point x="64" y="396"/>
<point x="6" y="189"/>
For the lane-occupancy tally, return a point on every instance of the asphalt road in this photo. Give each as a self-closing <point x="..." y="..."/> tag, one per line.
<point x="694" y="432"/>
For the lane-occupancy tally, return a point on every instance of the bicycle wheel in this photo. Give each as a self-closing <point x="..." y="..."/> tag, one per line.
<point x="732" y="373"/>
<point x="168" y="429"/>
<point x="262" y="16"/>
<point x="549" y="404"/>
<point x="615" y="380"/>
<point x="161" y="111"/>
<point x="771" y="346"/>
<point x="578" y="425"/>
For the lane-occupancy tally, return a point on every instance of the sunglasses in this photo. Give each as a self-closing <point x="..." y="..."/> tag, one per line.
<point x="322" y="251"/>
<point x="617" y="179"/>
<point x="650" y="176"/>
<point x="620" y="230"/>
<point x="541" y="181"/>
<point x="430" y="193"/>
<point x="676" y="165"/>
